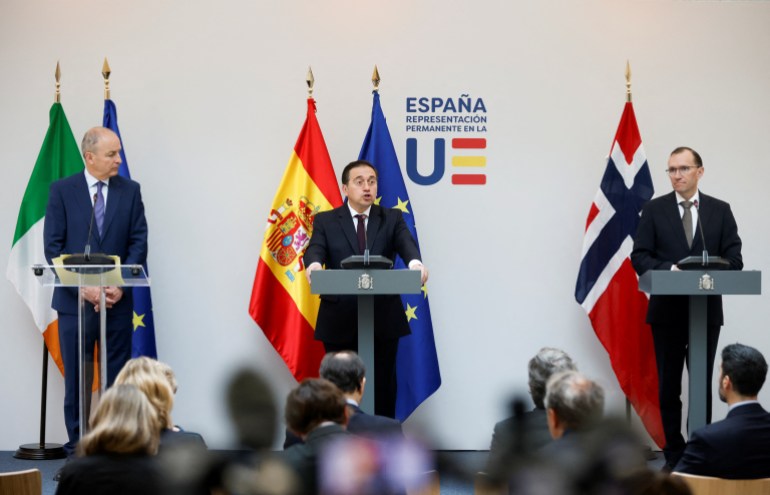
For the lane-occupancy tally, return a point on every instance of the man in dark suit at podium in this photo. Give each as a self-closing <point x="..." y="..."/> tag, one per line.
<point x="118" y="228"/>
<point x="357" y="225"/>
<point x="738" y="447"/>
<point x="673" y="227"/>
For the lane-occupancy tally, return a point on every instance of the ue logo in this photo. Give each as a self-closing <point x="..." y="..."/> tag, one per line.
<point x="466" y="169"/>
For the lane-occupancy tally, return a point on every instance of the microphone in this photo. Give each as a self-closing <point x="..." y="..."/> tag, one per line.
<point x="366" y="245"/>
<point x="704" y="261"/>
<point x="87" y="249"/>
<point x="87" y="258"/>
<point x="705" y="254"/>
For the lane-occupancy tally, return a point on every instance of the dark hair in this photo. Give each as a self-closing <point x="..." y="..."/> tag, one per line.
<point x="344" y="369"/>
<point x="312" y="402"/>
<point x="746" y="368"/>
<point x="354" y="164"/>
<point x="695" y="154"/>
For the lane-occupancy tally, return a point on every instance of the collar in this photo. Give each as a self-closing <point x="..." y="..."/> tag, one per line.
<point x="741" y="403"/>
<point x="695" y="198"/>
<point x="353" y="212"/>
<point x="351" y="401"/>
<point x="91" y="180"/>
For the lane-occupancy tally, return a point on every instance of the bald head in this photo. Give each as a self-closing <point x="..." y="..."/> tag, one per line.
<point x="101" y="152"/>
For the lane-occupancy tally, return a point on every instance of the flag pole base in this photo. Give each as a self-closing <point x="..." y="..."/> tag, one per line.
<point x="40" y="452"/>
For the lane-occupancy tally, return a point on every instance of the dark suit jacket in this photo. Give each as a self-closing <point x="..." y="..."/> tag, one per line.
<point x="372" y="425"/>
<point x="67" y="219"/>
<point x="334" y="239"/>
<point x="303" y="457"/>
<point x="115" y="474"/>
<point x="738" y="447"/>
<point x="535" y="433"/>
<point x="660" y="243"/>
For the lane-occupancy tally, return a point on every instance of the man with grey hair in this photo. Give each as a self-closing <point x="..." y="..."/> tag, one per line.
<point x="533" y="423"/>
<point x="573" y="403"/>
<point x="99" y="208"/>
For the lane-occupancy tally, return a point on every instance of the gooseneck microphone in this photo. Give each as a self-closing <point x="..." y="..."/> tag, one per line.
<point x="366" y="243"/>
<point x="705" y="254"/>
<point x="87" y="249"/>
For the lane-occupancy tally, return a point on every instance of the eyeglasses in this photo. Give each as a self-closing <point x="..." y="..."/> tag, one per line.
<point x="360" y="181"/>
<point x="672" y="171"/>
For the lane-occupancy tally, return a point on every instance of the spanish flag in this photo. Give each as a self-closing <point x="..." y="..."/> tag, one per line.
<point x="281" y="303"/>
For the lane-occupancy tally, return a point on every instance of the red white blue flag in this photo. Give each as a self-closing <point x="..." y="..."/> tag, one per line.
<point x="607" y="286"/>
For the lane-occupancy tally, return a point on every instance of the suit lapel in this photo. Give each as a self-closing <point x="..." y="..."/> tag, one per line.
<point x="346" y="224"/>
<point x="113" y="203"/>
<point x="373" y="228"/>
<point x="675" y="219"/>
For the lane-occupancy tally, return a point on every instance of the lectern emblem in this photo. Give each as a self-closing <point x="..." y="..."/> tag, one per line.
<point x="366" y="282"/>
<point x="706" y="282"/>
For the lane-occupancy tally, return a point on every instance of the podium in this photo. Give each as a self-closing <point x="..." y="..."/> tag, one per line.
<point x="78" y="277"/>
<point x="698" y="285"/>
<point x="366" y="283"/>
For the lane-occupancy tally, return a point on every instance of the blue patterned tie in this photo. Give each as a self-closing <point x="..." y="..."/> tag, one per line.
<point x="99" y="207"/>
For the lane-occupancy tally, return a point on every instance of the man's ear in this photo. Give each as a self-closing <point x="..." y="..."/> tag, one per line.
<point x="553" y="423"/>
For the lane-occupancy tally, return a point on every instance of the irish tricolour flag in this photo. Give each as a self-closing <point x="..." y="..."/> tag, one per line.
<point x="59" y="157"/>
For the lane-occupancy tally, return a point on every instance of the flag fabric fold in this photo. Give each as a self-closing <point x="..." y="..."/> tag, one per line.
<point x="281" y="302"/>
<point x="143" y="338"/>
<point x="417" y="368"/>
<point x="59" y="157"/>
<point x="607" y="286"/>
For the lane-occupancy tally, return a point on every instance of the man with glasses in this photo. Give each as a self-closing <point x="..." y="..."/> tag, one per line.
<point x="357" y="225"/>
<point x="670" y="230"/>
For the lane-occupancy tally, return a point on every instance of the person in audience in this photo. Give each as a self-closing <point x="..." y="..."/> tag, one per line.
<point x="573" y="403"/>
<point x="116" y="455"/>
<point x="738" y="447"/>
<point x="316" y="412"/>
<point x="531" y="425"/>
<point x="146" y="374"/>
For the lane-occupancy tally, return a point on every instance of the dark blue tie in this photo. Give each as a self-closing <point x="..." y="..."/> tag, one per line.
<point x="361" y="233"/>
<point x="99" y="207"/>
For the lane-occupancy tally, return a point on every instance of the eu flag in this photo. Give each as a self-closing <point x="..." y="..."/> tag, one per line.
<point x="417" y="368"/>
<point x="143" y="342"/>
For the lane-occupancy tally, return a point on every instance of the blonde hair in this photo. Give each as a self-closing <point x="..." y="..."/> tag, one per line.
<point x="124" y="423"/>
<point x="147" y="376"/>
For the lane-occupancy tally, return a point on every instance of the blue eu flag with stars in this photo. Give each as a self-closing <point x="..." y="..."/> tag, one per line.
<point x="417" y="370"/>
<point x="143" y="342"/>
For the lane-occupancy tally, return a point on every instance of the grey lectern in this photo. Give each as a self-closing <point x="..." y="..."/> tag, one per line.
<point x="366" y="283"/>
<point x="91" y="275"/>
<point x="699" y="284"/>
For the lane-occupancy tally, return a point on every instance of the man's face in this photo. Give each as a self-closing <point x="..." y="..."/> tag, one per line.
<point x="103" y="162"/>
<point x="686" y="176"/>
<point x="361" y="188"/>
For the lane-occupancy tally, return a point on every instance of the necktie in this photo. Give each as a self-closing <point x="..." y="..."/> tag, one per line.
<point x="687" y="221"/>
<point x="361" y="232"/>
<point x="99" y="207"/>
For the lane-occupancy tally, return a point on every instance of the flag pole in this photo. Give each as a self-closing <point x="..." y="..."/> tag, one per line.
<point x="41" y="450"/>
<point x="628" y="81"/>
<point x="310" y="80"/>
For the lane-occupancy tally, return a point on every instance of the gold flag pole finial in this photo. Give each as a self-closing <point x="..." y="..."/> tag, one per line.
<point x="57" y="75"/>
<point x="376" y="79"/>
<point x="628" y="81"/>
<point x="106" y="75"/>
<point x="310" y="82"/>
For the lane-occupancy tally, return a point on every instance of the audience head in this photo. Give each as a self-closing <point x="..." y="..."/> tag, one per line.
<point x="573" y="402"/>
<point x="546" y="362"/>
<point x="312" y="402"/>
<point x="743" y="373"/>
<point x="344" y="369"/>
<point x="145" y="374"/>
<point x="124" y="422"/>
<point x="252" y="409"/>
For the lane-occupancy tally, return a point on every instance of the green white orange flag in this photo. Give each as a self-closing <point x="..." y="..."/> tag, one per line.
<point x="59" y="157"/>
<point x="281" y="303"/>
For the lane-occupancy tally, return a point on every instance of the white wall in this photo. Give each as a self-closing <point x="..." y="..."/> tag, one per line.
<point x="211" y="98"/>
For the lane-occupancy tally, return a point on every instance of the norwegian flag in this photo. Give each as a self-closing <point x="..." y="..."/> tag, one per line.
<point x="607" y="286"/>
